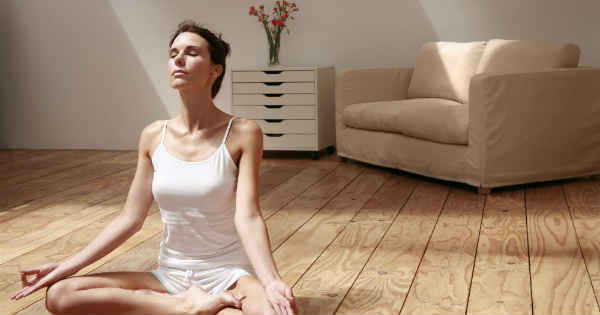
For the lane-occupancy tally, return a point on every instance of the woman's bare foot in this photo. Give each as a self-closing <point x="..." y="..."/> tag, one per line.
<point x="203" y="303"/>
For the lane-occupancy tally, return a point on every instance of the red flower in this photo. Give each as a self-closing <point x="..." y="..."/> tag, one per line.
<point x="286" y="14"/>
<point x="262" y="7"/>
<point x="252" y="10"/>
<point x="294" y="4"/>
<point x="260" y="19"/>
<point x="274" y="22"/>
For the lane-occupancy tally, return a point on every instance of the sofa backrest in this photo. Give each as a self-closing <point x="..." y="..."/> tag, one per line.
<point x="444" y="70"/>
<point x="503" y="55"/>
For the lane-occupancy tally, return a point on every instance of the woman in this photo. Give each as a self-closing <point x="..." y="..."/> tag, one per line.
<point x="215" y="256"/>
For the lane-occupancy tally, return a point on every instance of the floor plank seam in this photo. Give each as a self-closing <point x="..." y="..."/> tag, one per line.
<point x="326" y="247"/>
<point x="528" y="246"/>
<point x="10" y="206"/>
<point x="319" y="210"/>
<point x="476" y="251"/>
<point x="299" y="194"/>
<point x="585" y="263"/>
<point x="396" y="215"/>
<point x="83" y="163"/>
<point x="34" y="199"/>
<point x="83" y="227"/>
<point x="425" y="250"/>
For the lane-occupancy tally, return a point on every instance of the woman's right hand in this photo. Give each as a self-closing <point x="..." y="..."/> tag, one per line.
<point x="45" y="275"/>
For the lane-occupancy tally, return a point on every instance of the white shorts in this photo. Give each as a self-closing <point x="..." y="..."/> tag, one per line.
<point x="214" y="281"/>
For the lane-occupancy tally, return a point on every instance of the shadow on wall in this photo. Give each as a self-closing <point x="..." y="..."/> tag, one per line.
<point x="75" y="80"/>
<point x="6" y="83"/>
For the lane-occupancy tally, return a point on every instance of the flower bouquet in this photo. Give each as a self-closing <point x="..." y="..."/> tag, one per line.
<point x="275" y="24"/>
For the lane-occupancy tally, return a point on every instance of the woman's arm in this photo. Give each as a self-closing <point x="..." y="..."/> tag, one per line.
<point x="139" y="200"/>
<point x="249" y="221"/>
<point x="131" y="220"/>
<point x="248" y="218"/>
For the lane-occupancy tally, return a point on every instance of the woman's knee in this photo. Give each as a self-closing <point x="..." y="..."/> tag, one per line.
<point x="256" y="298"/>
<point x="58" y="295"/>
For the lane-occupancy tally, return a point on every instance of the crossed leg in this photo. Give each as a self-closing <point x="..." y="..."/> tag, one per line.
<point x="128" y="293"/>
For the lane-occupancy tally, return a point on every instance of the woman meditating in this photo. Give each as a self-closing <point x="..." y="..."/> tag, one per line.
<point x="202" y="169"/>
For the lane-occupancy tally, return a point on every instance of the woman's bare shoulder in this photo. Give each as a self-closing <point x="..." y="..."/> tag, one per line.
<point x="150" y="136"/>
<point x="246" y="129"/>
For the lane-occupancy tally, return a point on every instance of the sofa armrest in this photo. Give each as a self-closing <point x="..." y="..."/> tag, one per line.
<point x="543" y="124"/>
<point x="368" y="85"/>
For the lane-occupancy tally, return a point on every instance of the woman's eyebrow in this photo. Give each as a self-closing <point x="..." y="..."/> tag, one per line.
<point x="191" y="46"/>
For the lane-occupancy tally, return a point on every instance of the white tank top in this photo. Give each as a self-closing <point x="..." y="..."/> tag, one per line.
<point x="197" y="206"/>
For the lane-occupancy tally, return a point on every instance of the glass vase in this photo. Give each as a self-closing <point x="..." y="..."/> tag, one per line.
<point x="273" y="49"/>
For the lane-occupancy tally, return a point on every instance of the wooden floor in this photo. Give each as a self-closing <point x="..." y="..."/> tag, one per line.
<point x="350" y="238"/>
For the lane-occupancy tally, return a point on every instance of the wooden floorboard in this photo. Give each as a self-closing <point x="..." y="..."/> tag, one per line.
<point x="442" y="282"/>
<point x="501" y="283"/>
<point x="293" y="215"/>
<point x="560" y="281"/>
<point x="383" y="285"/>
<point x="351" y="238"/>
<point x="304" y="247"/>
<point x="54" y="183"/>
<point x="583" y="200"/>
<point x="45" y="167"/>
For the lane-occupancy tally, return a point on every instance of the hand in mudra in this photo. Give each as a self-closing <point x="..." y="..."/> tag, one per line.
<point x="44" y="276"/>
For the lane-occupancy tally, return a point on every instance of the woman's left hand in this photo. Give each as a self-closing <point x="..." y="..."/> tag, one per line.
<point x="281" y="297"/>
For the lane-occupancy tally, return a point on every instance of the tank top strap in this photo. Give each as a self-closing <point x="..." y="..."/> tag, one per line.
<point x="227" y="130"/>
<point x="164" y="130"/>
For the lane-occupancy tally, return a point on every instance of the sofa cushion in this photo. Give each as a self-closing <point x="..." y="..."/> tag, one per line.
<point x="433" y="119"/>
<point x="444" y="70"/>
<point x="502" y="55"/>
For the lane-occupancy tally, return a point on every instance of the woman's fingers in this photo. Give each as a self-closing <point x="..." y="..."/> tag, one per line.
<point x="284" y="305"/>
<point x="21" y="293"/>
<point x="27" y="282"/>
<point x="278" y="309"/>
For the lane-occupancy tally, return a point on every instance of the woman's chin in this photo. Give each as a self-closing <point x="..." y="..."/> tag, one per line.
<point x="180" y="84"/>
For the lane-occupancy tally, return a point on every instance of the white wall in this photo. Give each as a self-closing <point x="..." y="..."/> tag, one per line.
<point x="91" y="74"/>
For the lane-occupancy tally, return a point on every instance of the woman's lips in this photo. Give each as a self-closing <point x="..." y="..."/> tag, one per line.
<point x="178" y="72"/>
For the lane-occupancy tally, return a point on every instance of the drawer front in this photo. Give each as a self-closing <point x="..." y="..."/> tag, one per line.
<point x="282" y="112"/>
<point x="306" y="126"/>
<point x="273" y="76"/>
<point x="289" y="142"/>
<point x="274" y="87"/>
<point x="273" y="99"/>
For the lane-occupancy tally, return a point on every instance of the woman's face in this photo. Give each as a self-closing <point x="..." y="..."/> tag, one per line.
<point x="189" y="53"/>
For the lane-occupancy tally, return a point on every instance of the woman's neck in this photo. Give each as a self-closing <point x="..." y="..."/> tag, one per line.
<point x="198" y="111"/>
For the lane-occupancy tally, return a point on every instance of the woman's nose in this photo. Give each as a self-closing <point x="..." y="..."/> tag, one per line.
<point x="179" y="61"/>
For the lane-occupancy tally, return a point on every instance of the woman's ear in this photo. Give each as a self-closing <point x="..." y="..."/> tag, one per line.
<point x="218" y="70"/>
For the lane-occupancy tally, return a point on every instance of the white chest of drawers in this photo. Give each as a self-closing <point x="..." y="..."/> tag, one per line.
<point x="294" y="106"/>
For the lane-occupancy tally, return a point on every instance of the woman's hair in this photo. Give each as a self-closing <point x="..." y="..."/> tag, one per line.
<point x="218" y="48"/>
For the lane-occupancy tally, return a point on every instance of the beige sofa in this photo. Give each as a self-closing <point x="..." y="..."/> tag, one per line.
<point x="489" y="114"/>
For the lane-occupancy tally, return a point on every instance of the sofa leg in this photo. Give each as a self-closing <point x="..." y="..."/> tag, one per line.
<point x="484" y="191"/>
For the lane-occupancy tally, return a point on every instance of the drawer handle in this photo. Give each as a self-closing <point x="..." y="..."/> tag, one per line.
<point x="274" y="134"/>
<point x="273" y="72"/>
<point x="273" y="83"/>
<point x="273" y="120"/>
<point x="273" y="94"/>
<point x="273" y="106"/>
